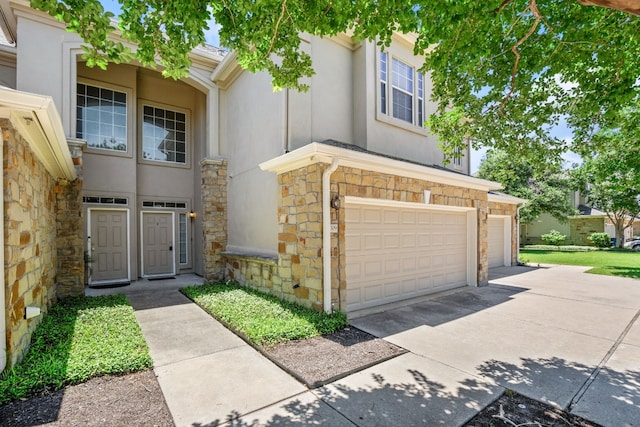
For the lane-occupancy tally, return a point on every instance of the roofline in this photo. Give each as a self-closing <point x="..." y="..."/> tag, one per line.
<point x="505" y="198"/>
<point x="322" y="153"/>
<point x="37" y="120"/>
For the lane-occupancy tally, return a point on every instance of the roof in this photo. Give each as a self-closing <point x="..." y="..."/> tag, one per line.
<point x="349" y="155"/>
<point x="588" y="210"/>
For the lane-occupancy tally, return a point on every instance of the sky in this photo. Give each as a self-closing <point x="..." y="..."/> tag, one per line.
<point x="562" y="131"/>
<point x="211" y="36"/>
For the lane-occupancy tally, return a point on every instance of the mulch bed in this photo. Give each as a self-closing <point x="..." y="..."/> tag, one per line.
<point x="129" y="400"/>
<point x="513" y="409"/>
<point x="320" y="360"/>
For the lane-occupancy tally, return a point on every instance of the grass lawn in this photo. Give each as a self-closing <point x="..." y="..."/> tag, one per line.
<point x="78" y="339"/>
<point x="263" y="319"/>
<point x="608" y="262"/>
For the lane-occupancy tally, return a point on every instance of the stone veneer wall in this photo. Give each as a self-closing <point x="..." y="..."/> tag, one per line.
<point x="29" y="240"/>
<point x="298" y="273"/>
<point x="582" y="227"/>
<point x="511" y="210"/>
<point x="214" y="216"/>
<point x="70" y="234"/>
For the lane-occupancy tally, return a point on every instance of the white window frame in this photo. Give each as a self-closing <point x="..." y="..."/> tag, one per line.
<point x="384" y="113"/>
<point x="188" y="136"/>
<point x="130" y="125"/>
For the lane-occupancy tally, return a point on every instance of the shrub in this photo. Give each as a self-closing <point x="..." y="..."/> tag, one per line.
<point x="600" y="240"/>
<point x="553" y="238"/>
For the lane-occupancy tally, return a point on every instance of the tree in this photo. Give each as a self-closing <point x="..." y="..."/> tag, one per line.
<point x="546" y="193"/>
<point x="611" y="178"/>
<point x="504" y="71"/>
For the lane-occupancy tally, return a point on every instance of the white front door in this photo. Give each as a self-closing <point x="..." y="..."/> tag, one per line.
<point x="157" y="244"/>
<point x="108" y="246"/>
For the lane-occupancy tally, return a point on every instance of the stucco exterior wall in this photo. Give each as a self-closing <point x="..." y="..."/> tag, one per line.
<point x="531" y="231"/>
<point x="253" y="128"/>
<point x="30" y="239"/>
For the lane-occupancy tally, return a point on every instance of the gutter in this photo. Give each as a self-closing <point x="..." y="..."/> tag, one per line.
<point x="326" y="235"/>
<point x="3" y="325"/>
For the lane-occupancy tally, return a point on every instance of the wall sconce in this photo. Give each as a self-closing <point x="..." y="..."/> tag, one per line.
<point x="335" y="202"/>
<point x="192" y="215"/>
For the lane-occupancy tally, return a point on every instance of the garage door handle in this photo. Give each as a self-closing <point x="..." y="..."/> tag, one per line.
<point x="170" y="248"/>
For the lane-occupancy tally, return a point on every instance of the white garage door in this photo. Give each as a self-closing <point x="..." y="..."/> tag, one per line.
<point x="496" y="241"/>
<point x="395" y="253"/>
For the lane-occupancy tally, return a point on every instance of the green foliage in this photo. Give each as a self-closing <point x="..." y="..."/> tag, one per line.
<point x="608" y="262"/>
<point x="600" y="240"/>
<point x="263" y="319"/>
<point x="611" y="177"/>
<point x="553" y="237"/>
<point x="510" y="69"/>
<point x="545" y="192"/>
<point x="79" y="338"/>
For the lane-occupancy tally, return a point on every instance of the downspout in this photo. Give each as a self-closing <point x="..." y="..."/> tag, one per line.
<point x="285" y="121"/>
<point x="3" y="325"/>
<point x="326" y="234"/>
<point x="518" y="233"/>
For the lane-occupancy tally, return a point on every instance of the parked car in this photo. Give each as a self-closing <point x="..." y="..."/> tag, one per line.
<point x="633" y="244"/>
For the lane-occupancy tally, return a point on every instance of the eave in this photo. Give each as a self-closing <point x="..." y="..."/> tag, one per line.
<point x="36" y="119"/>
<point x="323" y="153"/>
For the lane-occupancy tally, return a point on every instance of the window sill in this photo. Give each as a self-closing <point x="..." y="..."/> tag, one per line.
<point x="384" y="118"/>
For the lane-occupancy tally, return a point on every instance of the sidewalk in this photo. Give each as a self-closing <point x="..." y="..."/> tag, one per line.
<point x="556" y="335"/>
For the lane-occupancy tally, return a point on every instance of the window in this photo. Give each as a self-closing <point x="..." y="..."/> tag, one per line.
<point x="164" y="135"/>
<point x="457" y="157"/>
<point x="101" y="117"/>
<point x="182" y="219"/>
<point x="406" y="92"/>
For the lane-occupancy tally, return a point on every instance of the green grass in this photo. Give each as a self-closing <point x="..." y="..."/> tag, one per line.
<point x="78" y="339"/>
<point x="610" y="262"/>
<point x="262" y="319"/>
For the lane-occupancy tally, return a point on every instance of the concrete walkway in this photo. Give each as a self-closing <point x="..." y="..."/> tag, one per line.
<point x="557" y="335"/>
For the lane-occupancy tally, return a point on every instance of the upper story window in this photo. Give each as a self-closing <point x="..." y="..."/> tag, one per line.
<point x="101" y="117"/>
<point x="164" y="135"/>
<point x="457" y="158"/>
<point x="403" y="99"/>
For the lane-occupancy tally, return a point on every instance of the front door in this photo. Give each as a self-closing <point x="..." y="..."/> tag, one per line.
<point x="109" y="252"/>
<point x="157" y="244"/>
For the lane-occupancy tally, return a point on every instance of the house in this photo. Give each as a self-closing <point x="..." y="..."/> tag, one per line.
<point x="336" y="198"/>
<point x="577" y="228"/>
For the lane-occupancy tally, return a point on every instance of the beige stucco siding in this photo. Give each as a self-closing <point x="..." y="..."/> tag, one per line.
<point x="252" y="125"/>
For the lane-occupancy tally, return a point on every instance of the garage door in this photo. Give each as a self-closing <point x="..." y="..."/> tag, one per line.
<point x="395" y="253"/>
<point x="496" y="241"/>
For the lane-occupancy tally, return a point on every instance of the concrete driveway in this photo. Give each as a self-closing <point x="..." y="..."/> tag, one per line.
<point x="554" y="334"/>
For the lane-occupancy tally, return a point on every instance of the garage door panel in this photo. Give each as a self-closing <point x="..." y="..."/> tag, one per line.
<point x="372" y="216"/>
<point x="371" y="241"/>
<point x="496" y="241"/>
<point x="408" y="252"/>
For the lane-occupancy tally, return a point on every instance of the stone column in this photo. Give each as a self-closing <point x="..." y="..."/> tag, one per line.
<point x="214" y="216"/>
<point x="69" y="228"/>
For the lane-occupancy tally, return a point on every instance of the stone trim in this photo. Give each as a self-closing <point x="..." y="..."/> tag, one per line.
<point x="214" y="216"/>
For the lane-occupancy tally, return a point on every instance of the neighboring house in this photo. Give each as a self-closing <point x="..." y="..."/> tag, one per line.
<point x="336" y="198"/>
<point x="577" y="228"/>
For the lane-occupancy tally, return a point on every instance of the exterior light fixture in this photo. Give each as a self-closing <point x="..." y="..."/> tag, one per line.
<point x="192" y="214"/>
<point x="335" y="202"/>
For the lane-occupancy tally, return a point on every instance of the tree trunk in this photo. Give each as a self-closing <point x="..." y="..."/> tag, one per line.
<point x="619" y="232"/>
<point x="630" y="6"/>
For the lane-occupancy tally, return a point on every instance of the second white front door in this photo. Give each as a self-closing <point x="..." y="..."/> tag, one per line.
<point x="157" y="244"/>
